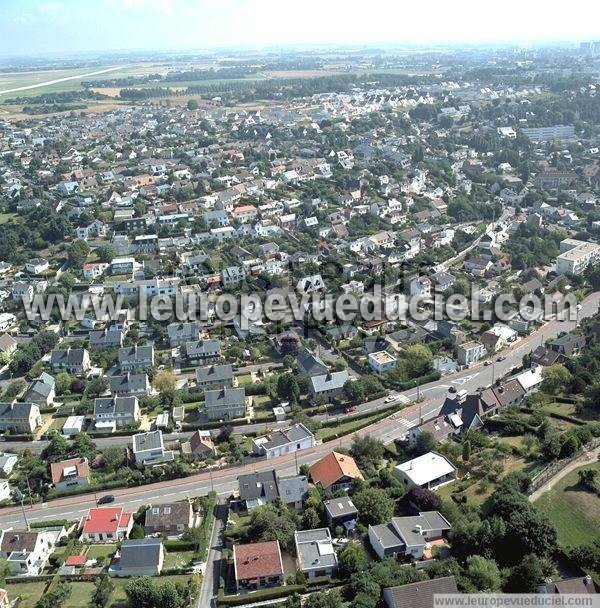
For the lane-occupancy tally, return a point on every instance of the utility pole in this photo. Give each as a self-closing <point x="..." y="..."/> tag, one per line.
<point x="296" y="458"/>
<point x="24" y="515"/>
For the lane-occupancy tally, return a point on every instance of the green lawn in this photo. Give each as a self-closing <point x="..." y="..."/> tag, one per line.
<point x="178" y="559"/>
<point x="29" y="593"/>
<point x="81" y="595"/>
<point x="7" y="217"/>
<point x="574" y="512"/>
<point x="244" y="379"/>
<point x="96" y="551"/>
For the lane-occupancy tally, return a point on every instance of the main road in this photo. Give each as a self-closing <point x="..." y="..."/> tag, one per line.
<point x="223" y="481"/>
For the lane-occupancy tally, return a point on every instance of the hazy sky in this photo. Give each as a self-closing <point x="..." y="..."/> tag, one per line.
<point x="71" y="26"/>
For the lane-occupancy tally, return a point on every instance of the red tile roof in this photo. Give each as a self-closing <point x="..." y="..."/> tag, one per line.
<point x="106" y="519"/>
<point x="257" y="560"/>
<point x="57" y="469"/>
<point x="333" y="467"/>
<point x="75" y="560"/>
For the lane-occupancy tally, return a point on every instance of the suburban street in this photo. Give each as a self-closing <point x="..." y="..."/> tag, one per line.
<point x="391" y="428"/>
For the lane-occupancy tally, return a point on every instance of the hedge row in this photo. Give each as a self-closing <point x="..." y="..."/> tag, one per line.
<point x="207" y="525"/>
<point x="259" y="596"/>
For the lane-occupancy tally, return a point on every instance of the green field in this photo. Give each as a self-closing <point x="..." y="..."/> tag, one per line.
<point x="574" y="511"/>
<point x="29" y="593"/>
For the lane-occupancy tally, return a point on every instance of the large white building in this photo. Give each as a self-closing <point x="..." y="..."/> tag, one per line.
<point x="555" y="132"/>
<point x="576" y="256"/>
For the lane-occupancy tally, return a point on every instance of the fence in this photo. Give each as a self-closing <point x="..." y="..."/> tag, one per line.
<point x="555" y="467"/>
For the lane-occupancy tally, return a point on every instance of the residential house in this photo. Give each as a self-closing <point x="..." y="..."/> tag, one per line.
<point x="171" y="518"/>
<point x="129" y="384"/>
<point x="111" y="413"/>
<point x="470" y="352"/>
<point x="136" y="358"/>
<point x="335" y="472"/>
<point x="330" y="386"/>
<point x="293" y="491"/>
<point x="149" y="449"/>
<point x="180" y="333"/>
<point x="580" y="585"/>
<point x="310" y="364"/>
<point x="214" y="376"/>
<point x="41" y="391"/>
<point x="74" y="361"/>
<point x="315" y="555"/>
<point x="200" y="446"/>
<point x="203" y="352"/>
<point x="73" y="425"/>
<point x="20" y="417"/>
<point x="381" y="361"/>
<point x="104" y="339"/>
<point x="408" y="536"/>
<point x="257" y="565"/>
<point x="26" y="553"/>
<point x="569" y="345"/>
<point x="69" y="474"/>
<point x="257" y="489"/>
<point x="8" y="460"/>
<point x="429" y="471"/>
<point x="341" y="512"/>
<point x="225" y="403"/>
<point x="283" y="441"/>
<point x="8" y="345"/>
<point x="138" y="557"/>
<point x="106" y="524"/>
<point x="420" y="594"/>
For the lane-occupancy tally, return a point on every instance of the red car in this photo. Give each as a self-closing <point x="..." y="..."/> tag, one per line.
<point x="349" y="410"/>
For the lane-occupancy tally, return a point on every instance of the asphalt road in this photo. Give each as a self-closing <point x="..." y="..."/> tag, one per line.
<point x="393" y="427"/>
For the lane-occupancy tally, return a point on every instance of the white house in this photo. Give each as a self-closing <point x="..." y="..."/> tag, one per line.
<point x="381" y="361"/>
<point x="284" y="441"/>
<point x="429" y="471"/>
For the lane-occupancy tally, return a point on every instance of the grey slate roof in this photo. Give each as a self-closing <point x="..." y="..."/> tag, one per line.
<point x="314" y="549"/>
<point x="132" y="354"/>
<point x="227" y="397"/>
<point x="328" y="382"/>
<point x="258" y="485"/>
<point x="340" y="507"/>
<point x="151" y="440"/>
<point x="297" y="432"/>
<point x="131" y="383"/>
<point x="15" y="411"/>
<point x="70" y="356"/>
<point x="140" y="553"/>
<point x="115" y="405"/>
<point x="293" y="489"/>
<point x="310" y="364"/>
<point x="214" y="373"/>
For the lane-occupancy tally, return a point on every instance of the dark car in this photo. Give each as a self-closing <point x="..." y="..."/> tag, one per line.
<point x="104" y="500"/>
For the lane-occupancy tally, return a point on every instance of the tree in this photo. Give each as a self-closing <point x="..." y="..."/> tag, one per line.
<point x="374" y="506"/>
<point x="165" y="380"/>
<point x="106" y="253"/>
<point x="418" y="360"/>
<point x="367" y="451"/>
<point x="555" y="378"/>
<point x="466" y="450"/>
<point x="102" y="592"/>
<point x="324" y="599"/>
<point x="425" y="442"/>
<point x="423" y="499"/>
<point x="62" y="383"/>
<point x="590" y="479"/>
<point x="310" y="519"/>
<point x="113" y="458"/>
<point x="354" y="392"/>
<point x="570" y="447"/>
<point x="137" y="532"/>
<point x="83" y="446"/>
<point x="483" y="573"/>
<point x="78" y="251"/>
<point x="351" y="559"/>
<point x="192" y="104"/>
<point x="57" y="449"/>
<point x="526" y="575"/>
<point x="287" y="387"/>
<point x="57" y="596"/>
<point x="141" y="593"/>
<point x="97" y="385"/>
<point x="270" y="522"/>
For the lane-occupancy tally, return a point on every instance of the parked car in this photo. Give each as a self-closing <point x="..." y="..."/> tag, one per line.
<point x="350" y="409"/>
<point x="104" y="500"/>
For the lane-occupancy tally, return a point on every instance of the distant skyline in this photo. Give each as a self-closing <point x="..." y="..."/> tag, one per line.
<point x="55" y="27"/>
